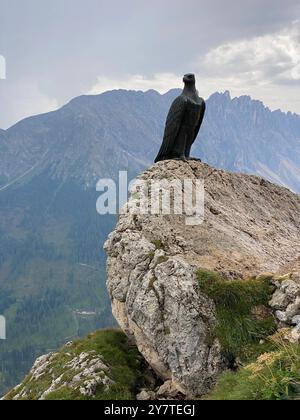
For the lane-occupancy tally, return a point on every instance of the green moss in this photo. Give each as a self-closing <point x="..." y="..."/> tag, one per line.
<point x="238" y="331"/>
<point x="162" y="259"/>
<point x="123" y="360"/>
<point x="151" y="255"/>
<point x="151" y="287"/>
<point x="151" y="283"/>
<point x="136" y="196"/>
<point x="167" y="330"/>
<point x="158" y="244"/>
<point x="274" y="376"/>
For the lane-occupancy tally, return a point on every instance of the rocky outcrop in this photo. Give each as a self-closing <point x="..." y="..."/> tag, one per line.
<point x="250" y="227"/>
<point x="286" y="304"/>
<point x="162" y="308"/>
<point x="84" y="374"/>
<point x="104" y="365"/>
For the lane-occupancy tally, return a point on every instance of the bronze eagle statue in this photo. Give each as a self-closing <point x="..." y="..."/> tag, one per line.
<point x="183" y="123"/>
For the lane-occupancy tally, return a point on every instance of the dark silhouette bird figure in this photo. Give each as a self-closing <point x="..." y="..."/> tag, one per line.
<point x="183" y="123"/>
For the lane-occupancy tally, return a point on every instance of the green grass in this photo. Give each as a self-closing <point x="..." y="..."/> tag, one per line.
<point x="123" y="360"/>
<point x="238" y="330"/>
<point x="274" y="376"/>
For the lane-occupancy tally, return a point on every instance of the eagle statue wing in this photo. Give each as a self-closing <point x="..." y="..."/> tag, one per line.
<point x="173" y="125"/>
<point x="203" y="109"/>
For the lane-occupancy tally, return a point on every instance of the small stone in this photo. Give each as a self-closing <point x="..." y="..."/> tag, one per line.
<point x="281" y="316"/>
<point x="279" y="300"/>
<point x="295" y="334"/>
<point x="290" y="288"/>
<point x="276" y="283"/>
<point x="296" y="320"/>
<point x="168" y="390"/>
<point x="146" y="395"/>
<point x="292" y="310"/>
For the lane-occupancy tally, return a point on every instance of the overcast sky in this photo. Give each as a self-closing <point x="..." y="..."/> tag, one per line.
<point x="58" y="49"/>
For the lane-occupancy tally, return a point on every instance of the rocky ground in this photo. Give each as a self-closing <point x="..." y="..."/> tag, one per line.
<point x="286" y="305"/>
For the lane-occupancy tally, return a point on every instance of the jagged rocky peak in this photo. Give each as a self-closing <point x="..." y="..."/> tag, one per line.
<point x="173" y="285"/>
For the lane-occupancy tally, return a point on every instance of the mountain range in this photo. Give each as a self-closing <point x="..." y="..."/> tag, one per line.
<point x="52" y="266"/>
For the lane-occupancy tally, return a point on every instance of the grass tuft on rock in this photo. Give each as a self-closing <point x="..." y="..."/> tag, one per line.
<point x="239" y="330"/>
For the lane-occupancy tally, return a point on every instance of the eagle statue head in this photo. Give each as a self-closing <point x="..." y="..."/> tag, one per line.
<point x="189" y="79"/>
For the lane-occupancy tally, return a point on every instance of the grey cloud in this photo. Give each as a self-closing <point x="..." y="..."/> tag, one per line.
<point x="63" y="46"/>
<point x="270" y="58"/>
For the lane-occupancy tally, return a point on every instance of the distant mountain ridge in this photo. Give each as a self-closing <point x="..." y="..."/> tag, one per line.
<point x="78" y="139"/>
<point x="242" y="135"/>
<point x="52" y="266"/>
<point x="238" y="134"/>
